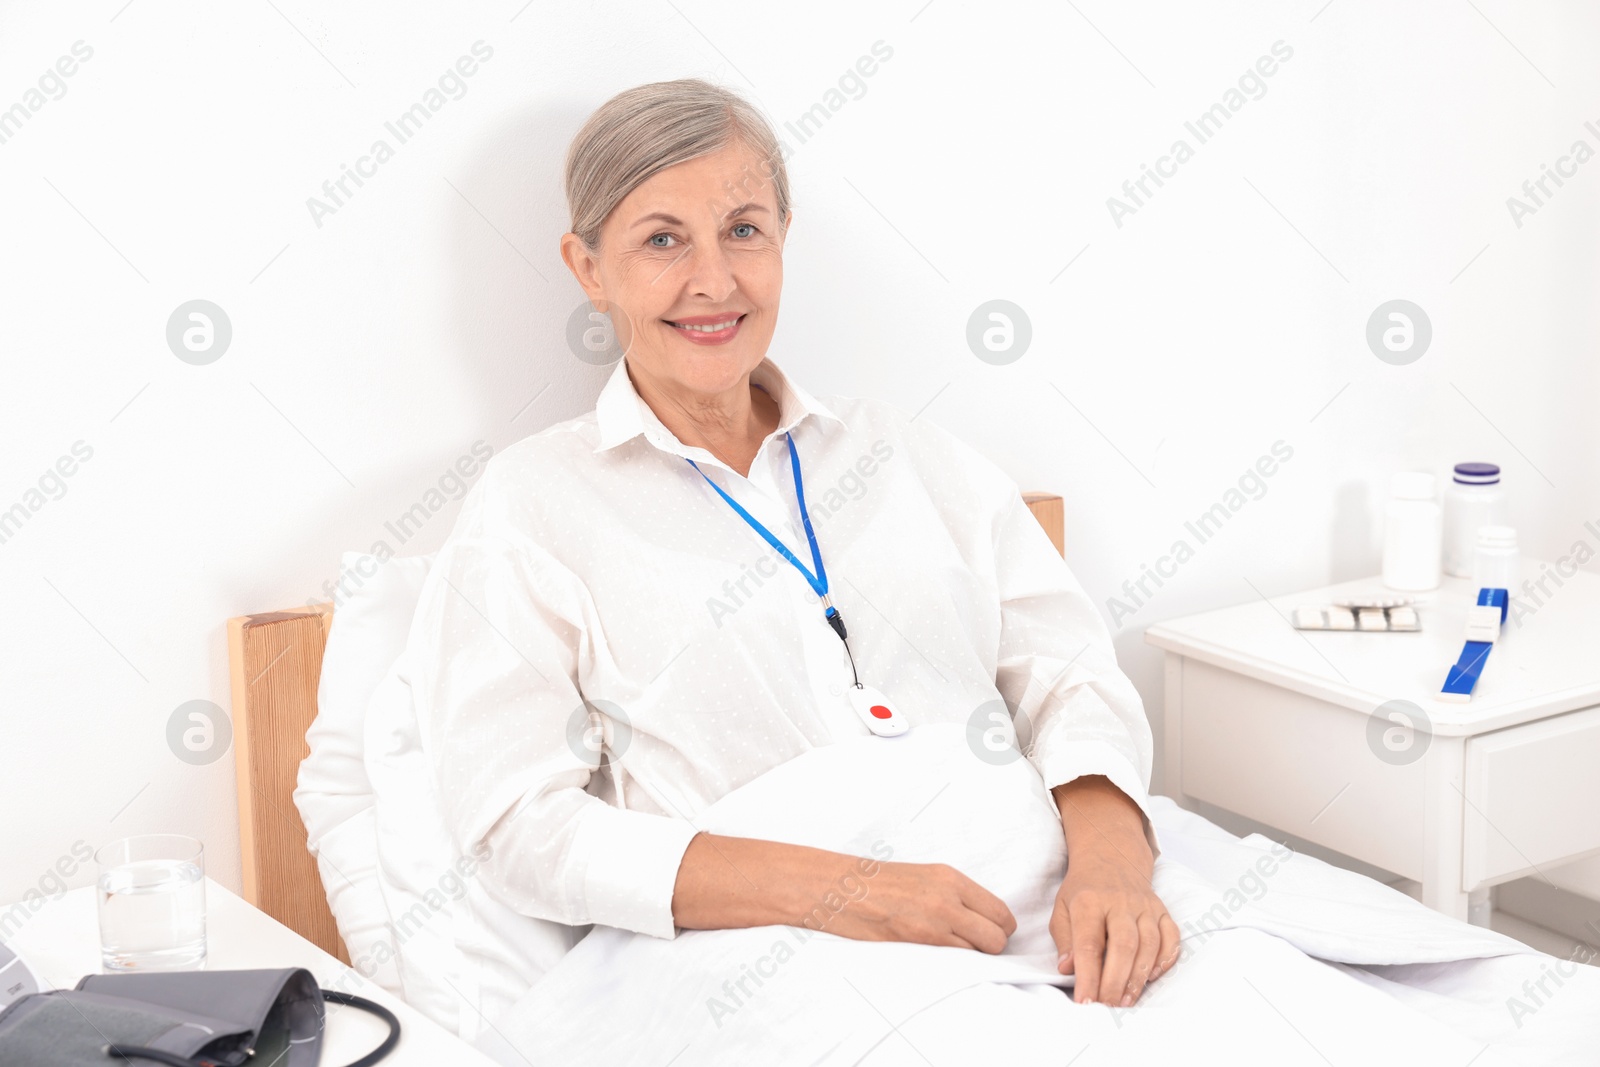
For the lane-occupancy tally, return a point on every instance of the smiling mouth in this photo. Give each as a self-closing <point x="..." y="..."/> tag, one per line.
<point x="716" y="327"/>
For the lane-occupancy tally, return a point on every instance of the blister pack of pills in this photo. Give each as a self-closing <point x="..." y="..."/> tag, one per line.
<point x="1360" y="614"/>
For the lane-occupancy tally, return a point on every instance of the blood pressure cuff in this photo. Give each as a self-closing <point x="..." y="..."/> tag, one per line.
<point x="183" y="1018"/>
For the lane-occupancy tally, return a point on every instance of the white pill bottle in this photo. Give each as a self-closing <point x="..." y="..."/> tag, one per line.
<point x="1496" y="563"/>
<point x="1413" y="528"/>
<point x="1473" y="499"/>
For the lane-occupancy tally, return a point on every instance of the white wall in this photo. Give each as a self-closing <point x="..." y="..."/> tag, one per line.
<point x="429" y="312"/>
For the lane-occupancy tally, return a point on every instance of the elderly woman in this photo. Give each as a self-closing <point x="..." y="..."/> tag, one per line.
<point x="714" y="571"/>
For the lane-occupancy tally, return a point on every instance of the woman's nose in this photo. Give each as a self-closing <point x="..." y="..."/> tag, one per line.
<point x="709" y="270"/>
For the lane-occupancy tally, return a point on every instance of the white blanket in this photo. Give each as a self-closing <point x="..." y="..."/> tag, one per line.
<point x="1256" y="918"/>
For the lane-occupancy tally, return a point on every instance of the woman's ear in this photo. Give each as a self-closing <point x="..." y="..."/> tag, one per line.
<point x="581" y="262"/>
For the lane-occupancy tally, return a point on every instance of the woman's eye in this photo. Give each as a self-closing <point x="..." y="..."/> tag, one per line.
<point x="666" y="240"/>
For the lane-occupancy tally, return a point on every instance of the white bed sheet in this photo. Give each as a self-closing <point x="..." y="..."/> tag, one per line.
<point x="1286" y="959"/>
<point x="1218" y="1012"/>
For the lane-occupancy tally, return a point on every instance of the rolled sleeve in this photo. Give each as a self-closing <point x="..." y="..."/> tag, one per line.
<point x="1058" y="670"/>
<point x="493" y="654"/>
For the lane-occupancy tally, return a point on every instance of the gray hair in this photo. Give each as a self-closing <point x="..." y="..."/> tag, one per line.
<point x="649" y="128"/>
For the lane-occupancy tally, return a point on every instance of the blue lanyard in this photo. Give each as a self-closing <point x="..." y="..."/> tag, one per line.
<point x="818" y="581"/>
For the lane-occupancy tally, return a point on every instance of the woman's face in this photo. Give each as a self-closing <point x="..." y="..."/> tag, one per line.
<point x="698" y="244"/>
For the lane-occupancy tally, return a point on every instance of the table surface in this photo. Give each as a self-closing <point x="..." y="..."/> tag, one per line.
<point x="1542" y="664"/>
<point x="61" y="944"/>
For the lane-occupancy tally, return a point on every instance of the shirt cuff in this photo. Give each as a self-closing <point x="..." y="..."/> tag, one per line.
<point x="1076" y="759"/>
<point x="631" y="867"/>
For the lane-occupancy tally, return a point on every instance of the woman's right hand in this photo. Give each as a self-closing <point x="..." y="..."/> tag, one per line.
<point x="731" y="882"/>
<point x="926" y="903"/>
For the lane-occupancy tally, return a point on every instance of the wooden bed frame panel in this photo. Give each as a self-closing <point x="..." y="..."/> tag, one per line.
<point x="275" y="661"/>
<point x="1050" y="510"/>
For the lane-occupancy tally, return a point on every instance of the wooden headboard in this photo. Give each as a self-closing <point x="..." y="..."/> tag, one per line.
<point x="275" y="661"/>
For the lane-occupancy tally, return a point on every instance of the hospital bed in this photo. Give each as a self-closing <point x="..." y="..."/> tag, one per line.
<point x="1321" y="966"/>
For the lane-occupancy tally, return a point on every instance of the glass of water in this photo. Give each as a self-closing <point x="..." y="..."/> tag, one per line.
<point x="152" y="903"/>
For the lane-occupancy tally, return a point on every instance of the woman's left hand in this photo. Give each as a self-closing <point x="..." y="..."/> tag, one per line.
<point x="1112" y="931"/>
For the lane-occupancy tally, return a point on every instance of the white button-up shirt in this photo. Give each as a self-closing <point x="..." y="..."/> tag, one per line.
<point x="597" y="596"/>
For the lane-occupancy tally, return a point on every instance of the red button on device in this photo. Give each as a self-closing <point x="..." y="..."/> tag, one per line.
<point x="881" y="712"/>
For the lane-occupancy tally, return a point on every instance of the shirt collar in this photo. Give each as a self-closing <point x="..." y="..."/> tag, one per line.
<point x="622" y="414"/>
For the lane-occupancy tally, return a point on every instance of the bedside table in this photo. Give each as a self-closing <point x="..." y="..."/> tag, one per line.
<point x="1296" y="729"/>
<point x="61" y="944"/>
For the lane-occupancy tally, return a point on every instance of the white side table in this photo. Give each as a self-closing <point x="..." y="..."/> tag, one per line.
<point x="61" y="943"/>
<point x="1279" y="725"/>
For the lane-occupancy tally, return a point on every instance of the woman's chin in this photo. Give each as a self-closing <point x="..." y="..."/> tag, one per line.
<point x="725" y="362"/>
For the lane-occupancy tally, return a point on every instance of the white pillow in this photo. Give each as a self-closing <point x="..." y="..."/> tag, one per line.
<point x="371" y="620"/>
<point x="414" y="858"/>
<point x="412" y="915"/>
